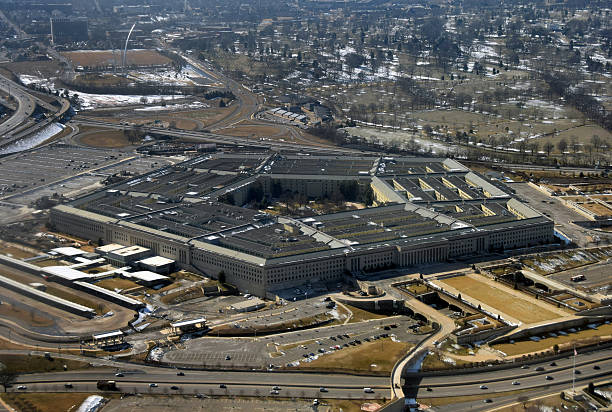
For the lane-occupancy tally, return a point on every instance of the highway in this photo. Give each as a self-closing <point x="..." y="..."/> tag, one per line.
<point x="25" y="106"/>
<point x="208" y="382"/>
<point x="501" y="380"/>
<point x="216" y="138"/>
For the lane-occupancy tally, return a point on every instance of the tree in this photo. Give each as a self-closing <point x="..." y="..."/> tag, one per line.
<point x="548" y="147"/>
<point x="562" y="145"/>
<point x="7" y="377"/>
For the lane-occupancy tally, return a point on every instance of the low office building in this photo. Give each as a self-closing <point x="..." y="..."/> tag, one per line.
<point x="427" y="210"/>
<point x="127" y="255"/>
<point x="157" y="264"/>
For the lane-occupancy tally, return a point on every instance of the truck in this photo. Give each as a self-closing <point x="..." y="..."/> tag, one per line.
<point x="107" y="386"/>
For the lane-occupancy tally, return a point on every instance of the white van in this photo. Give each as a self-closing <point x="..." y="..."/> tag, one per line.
<point x="368" y="390"/>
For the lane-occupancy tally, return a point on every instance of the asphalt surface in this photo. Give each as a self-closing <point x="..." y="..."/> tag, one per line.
<point x="25" y="106"/>
<point x="554" y="209"/>
<point x="502" y="401"/>
<point x="208" y="382"/>
<point x="501" y="380"/>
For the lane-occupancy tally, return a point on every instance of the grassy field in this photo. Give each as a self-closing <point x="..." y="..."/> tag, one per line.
<point x="116" y="283"/>
<point x="104" y="139"/>
<point x="38" y="364"/>
<point x="45" y="402"/>
<point x="529" y="346"/>
<point x="507" y="303"/>
<point x="30" y="317"/>
<point x="15" y="252"/>
<point x="359" y="315"/>
<point x="107" y="57"/>
<point x="378" y="356"/>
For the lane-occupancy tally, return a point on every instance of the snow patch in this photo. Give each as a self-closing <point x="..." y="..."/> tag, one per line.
<point x="91" y="404"/>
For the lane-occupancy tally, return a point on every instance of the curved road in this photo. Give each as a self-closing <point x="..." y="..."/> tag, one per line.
<point x="25" y="106"/>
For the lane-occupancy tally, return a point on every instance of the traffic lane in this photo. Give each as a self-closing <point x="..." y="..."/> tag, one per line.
<point x="502" y="401"/>
<point x="211" y="389"/>
<point x="214" y="377"/>
<point x="567" y="362"/>
<point x="560" y="377"/>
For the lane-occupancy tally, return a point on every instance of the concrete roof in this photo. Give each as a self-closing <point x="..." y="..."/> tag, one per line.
<point x="146" y="276"/>
<point x="108" y="335"/>
<point x="188" y="322"/>
<point x="65" y="272"/>
<point x="130" y="250"/>
<point x="156" y="261"/>
<point x="68" y="251"/>
<point x="110" y="247"/>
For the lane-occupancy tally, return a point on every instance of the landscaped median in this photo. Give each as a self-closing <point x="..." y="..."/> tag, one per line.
<point x="377" y="357"/>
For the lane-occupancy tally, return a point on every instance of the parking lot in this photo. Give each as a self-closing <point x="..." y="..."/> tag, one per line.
<point x="286" y="348"/>
<point x="597" y="277"/>
<point x="65" y="170"/>
<point x="555" y="210"/>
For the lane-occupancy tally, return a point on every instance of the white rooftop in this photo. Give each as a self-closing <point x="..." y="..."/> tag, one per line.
<point x="109" y="248"/>
<point x="108" y="335"/>
<point x="130" y="250"/>
<point x="68" y="251"/>
<point x="145" y="275"/>
<point x="65" y="272"/>
<point x="188" y="322"/>
<point x="156" y="261"/>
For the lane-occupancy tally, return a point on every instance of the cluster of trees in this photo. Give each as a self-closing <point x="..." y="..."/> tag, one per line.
<point x="214" y="94"/>
<point x="562" y="85"/>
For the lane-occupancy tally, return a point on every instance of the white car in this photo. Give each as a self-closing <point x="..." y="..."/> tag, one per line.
<point x="368" y="390"/>
<point x="22" y="387"/>
<point x="273" y="392"/>
<point x="516" y="383"/>
<point x="484" y="387"/>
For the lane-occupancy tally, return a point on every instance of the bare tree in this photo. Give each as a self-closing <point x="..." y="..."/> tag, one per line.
<point x="7" y="377"/>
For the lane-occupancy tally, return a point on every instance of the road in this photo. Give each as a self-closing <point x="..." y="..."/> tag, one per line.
<point x="216" y="138"/>
<point x="238" y="383"/>
<point x="501" y="380"/>
<point x="477" y="405"/>
<point x="25" y="106"/>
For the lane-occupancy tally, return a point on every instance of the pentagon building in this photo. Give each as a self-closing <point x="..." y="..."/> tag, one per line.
<point x="425" y="210"/>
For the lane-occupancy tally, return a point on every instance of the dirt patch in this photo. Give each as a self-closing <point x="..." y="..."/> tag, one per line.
<point x="103" y="58"/>
<point x="29" y="317"/>
<point x="44" y="69"/>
